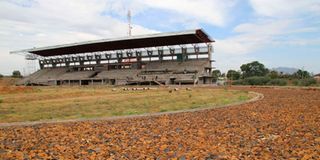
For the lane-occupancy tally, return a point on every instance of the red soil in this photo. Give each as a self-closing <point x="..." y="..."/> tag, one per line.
<point x="7" y="85"/>
<point x="283" y="125"/>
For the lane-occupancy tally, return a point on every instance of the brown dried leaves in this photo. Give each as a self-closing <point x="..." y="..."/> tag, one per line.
<point x="284" y="125"/>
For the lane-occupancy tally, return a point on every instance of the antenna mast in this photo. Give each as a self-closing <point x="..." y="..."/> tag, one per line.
<point x="129" y="23"/>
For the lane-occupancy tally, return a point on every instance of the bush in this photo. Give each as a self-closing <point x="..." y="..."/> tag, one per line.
<point x="277" y="82"/>
<point x="309" y="82"/>
<point x="1" y="75"/>
<point x="239" y="82"/>
<point x="304" y="82"/>
<point x="257" y="80"/>
<point x="295" y="82"/>
<point x="16" y="74"/>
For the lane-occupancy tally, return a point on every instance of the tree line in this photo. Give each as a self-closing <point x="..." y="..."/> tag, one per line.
<point x="15" y="74"/>
<point x="255" y="73"/>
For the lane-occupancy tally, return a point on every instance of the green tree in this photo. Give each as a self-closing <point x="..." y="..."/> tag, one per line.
<point x="233" y="75"/>
<point x="301" y="74"/>
<point x="216" y="74"/>
<point x="16" y="74"/>
<point x="254" y="68"/>
<point x="274" y="74"/>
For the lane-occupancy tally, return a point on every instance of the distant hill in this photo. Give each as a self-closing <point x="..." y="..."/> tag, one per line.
<point x="285" y="70"/>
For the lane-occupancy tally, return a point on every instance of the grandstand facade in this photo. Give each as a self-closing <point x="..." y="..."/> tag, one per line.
<point x="162" y="59"/>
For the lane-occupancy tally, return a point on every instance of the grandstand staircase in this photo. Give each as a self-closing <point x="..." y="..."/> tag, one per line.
<point x="94" y="74"/>
<point x="32" y="77"/>
<point x="157" y="82"/>
<point x="196" y="81"/>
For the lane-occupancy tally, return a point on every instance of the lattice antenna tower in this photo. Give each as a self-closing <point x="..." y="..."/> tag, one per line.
<point x="129" y="23"/>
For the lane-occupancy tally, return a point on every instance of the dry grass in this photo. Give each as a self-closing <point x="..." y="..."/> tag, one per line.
<point x="43" y="103"/>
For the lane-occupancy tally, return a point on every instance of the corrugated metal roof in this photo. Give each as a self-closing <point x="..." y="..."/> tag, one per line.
<point x="141" y="41"/>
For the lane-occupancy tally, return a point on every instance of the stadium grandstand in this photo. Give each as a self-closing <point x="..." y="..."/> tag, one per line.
<point x="161" y="59"/>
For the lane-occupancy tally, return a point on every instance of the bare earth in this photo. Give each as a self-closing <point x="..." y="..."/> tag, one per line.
<point x="283" y="125"/>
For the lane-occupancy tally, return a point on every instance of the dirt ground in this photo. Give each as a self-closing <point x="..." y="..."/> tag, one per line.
<point x="283" y="125"/>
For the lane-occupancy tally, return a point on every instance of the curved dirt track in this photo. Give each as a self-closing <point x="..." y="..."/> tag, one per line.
<point x="285" y="124"/>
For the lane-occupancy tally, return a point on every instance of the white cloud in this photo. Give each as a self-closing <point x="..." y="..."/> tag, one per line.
<point x="224" y="62"/>
<point x="35" y="23"/>
<point x="250" y="38"/>
<point x="213" y="12"/>
<point x="27" y="24"/>
<point x="266" y="27"/>
<point x="285" y="8"/>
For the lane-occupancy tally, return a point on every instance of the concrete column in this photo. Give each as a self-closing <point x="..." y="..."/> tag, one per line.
<point x="41" y="65"/>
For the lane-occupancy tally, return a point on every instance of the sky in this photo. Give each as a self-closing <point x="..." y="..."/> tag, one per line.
<point x="277" y="33"/>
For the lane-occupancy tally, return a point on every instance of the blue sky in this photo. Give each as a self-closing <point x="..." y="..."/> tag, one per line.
<point x="274" y="32"/>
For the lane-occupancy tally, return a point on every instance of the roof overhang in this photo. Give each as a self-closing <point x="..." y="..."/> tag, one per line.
<point x="142" y="41"/>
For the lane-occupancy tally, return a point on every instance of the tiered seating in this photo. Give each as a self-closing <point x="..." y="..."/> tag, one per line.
<point x="184" y="78"/>
<point x="76" y="75"/>
<point x="53" y="74"/>
<point x="43" y="76"/>
<point x="164" y="72"/>
<point x="119" y="74"/>
<point x="179" y="66"/>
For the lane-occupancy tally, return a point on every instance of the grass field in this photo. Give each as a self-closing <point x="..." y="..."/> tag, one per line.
<point x="47" y="103"/>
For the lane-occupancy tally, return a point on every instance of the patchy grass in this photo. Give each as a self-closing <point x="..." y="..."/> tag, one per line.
<point x="45" y="103"/>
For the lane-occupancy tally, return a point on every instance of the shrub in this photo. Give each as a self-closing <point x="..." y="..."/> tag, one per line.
<point x="295" y="82"/>
<point x="1" y="75"/>
<point x="304" y="82"/>
<point x="277" y="82"/>
<point x="257" y="80"/>
<point x="239" y="82"/>
<point x="16" y="74"/>
<point x="308" y="82"/>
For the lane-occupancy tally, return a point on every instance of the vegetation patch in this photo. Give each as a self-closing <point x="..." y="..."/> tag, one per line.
<point x="255" y="73"/>
<point x="278" y="82"/>
<point x="45" y="103"/>
<point x="304" y="82"/>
